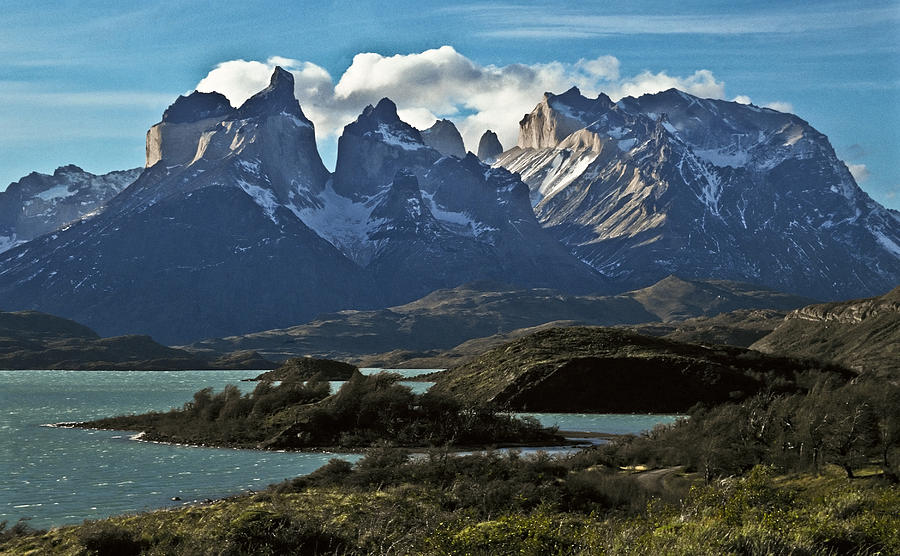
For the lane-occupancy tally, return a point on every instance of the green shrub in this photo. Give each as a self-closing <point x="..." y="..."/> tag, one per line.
<point x="104" y="538"/>
<point x="264" y="532"/>
<point x="20" y="529"/>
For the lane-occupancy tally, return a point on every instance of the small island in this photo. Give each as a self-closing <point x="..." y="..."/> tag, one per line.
<point x="304" y="415"/>
<point x="301" y="369"/>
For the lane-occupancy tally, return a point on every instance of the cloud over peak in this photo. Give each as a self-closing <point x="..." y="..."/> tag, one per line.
<point x="859" y="171"/>
<point x="441" y="82"/>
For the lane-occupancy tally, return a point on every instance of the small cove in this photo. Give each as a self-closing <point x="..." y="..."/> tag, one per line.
<point x="56" y="476"/>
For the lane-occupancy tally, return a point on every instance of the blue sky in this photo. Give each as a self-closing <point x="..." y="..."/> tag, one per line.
<point x="80" y="82"/>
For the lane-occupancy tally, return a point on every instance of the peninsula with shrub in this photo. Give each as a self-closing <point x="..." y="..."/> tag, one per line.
<point x="304" y="415"/>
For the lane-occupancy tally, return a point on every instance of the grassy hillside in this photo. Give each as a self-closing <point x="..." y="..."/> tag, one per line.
<point x="33" y="340"/>
<point x="863" y="334"/>
<point x="447" y="318"/>
<point x="610" y="370"/>
<point x="491" y="504"/>
<point x="739" y="328"/>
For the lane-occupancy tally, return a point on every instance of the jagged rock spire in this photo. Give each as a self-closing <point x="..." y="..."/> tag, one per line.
<point x="277" y="97"/>
<point x="445" y="138"/>
<point x="489" y="147"/>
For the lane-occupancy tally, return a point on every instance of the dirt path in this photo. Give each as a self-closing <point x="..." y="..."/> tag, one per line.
<point x="656" y="480"/>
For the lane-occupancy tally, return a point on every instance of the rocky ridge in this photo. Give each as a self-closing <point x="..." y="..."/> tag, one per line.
<point x="40" y="203"/>
<point x="445" y="139"/>
<point x="671" y="183"/>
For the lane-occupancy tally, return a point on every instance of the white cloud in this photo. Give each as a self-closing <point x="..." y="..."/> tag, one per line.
<point x="604" y="67"/>
<point x="237" y="79"/>
<point x="515" y="20"/>
<point x="859" y="171"/>
<point x="419" y="118"/>
<point x="775" y="105"/>
<point x="702" y="84"/>
<point x="780" y="106"/>
<point x="442" y="82"/>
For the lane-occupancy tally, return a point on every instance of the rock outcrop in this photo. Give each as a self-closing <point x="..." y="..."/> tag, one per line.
<point x="603" y="370"/>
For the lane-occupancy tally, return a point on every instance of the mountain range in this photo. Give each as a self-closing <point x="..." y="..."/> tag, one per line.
<point x="236" y="226"/>
<point x="669" y="183"/>
<point x="40" y="203"/>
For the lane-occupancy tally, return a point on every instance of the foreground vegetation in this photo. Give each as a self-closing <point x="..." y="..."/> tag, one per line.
<point x="850" y="425"/>
<point x="505" y="504"/>
<point x="802" y="474"/>
<point x="299" y="415"/>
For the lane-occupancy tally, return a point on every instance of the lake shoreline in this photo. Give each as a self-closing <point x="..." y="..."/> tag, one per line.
<point x="73" y="476"/>
<point x="570" y="438"/>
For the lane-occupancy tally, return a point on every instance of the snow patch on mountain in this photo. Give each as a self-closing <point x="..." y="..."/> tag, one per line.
<point x="342" y="222"/>
<point x="251" y="166"/>
<point x="461" y="223"/>
<point x="262" y="197"/>
<point x="295" y="120"/>
<point x="59" y="192"/>
<point x="626" y="145"/>
<point x="886" y="242"/>
<point x="724" y="157"/>
<point x="566" y="168"/>
<point x="396" y="138"/>
<point x="8" y="242"/>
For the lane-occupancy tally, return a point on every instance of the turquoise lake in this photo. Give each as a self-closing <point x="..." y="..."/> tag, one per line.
<point x="55" y="476"/>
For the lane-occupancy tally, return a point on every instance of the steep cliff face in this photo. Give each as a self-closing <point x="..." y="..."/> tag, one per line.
<point x="863" y="334"/>
<point x="670" y="183"/>
<point x="175" y="138"/>
<point x="558" y="116"/>
<point x="267" y="138"/>
<point x="40" y="203"/>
